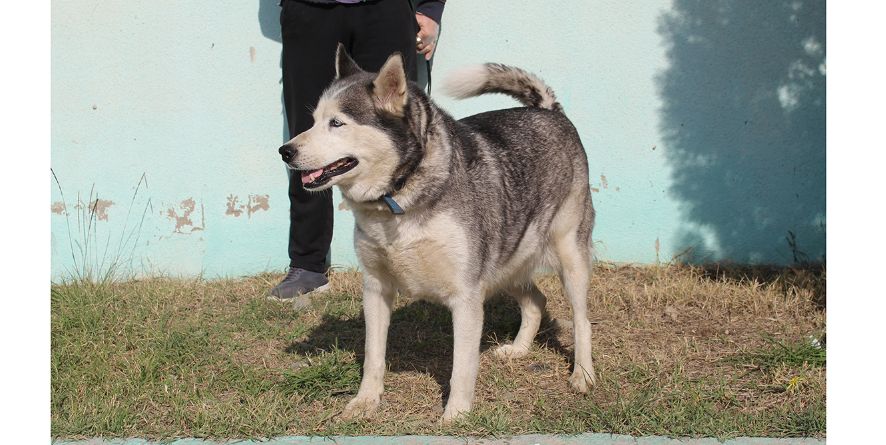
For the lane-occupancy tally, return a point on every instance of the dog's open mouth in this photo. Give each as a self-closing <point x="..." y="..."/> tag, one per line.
<point x="320" y="176"/>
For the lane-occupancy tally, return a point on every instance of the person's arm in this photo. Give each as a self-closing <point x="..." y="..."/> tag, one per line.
<point x="428" y="14"/>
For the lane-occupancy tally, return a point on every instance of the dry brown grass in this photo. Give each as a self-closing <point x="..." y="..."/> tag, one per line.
<point x="170" y="358"/>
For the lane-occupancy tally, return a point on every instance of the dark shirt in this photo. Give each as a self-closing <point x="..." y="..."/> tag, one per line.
<point x="430" y="8"/>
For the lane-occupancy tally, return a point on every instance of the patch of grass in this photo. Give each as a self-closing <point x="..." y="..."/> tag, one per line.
<point x="808" y="421"/>
<point x="330" y="374"/>
<point x="678" y="351"/>
<point x="485" y="421"/>
<point x="668" y="405"/>
<point x="808" y="351"/>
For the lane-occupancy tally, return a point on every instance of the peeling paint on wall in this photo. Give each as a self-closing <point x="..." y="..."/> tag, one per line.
<point x="254" y="203"/>
<point x="604" y="182"/>
<point x="258" y="203"/>
<point x="232" y="207"/>
<point x="59" y="208"/>
<point x="99" y="208"/>
<point x="252" y="54"/>
<point x="657" y="250"/>
<point x="183" y="221"/>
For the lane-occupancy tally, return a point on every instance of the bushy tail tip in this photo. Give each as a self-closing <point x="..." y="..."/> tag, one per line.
<point x="488" y="78"/>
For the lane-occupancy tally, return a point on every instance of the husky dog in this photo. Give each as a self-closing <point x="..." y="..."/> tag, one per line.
<point x="453" y="211"/>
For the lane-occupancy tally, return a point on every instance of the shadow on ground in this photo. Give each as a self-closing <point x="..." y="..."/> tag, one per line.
<point x="810" y="277"/>
<point x="420" y="336"/>
<point x="743" y="117"/>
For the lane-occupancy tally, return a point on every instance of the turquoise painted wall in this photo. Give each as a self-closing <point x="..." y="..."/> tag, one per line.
<point x="704" y="123"/>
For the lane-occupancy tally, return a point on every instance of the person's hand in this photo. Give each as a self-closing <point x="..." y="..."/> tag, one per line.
<point x="426" y="41"/>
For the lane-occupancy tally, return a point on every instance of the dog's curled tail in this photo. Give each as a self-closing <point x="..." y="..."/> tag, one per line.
<point x="497" y="78"/>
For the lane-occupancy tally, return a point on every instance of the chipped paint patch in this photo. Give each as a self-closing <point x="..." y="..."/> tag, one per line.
<point x="604" y="182"/>
<point x="257" y="203"/>
<point x="252" y="54"/>
<point x="59" y="208"/>
<point x="254" y="203"/>
<point x="657" y="250"/>
<point x="595" y="190"/>
<point x="99" y="208"/>
<point x="183" y="222"/>
<point x="233" y="208"/>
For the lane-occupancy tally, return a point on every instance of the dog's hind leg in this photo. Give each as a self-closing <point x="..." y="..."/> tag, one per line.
<point x="575" y="269"/>
<point x="378" y="302"/>
<point x="532" y="306"/>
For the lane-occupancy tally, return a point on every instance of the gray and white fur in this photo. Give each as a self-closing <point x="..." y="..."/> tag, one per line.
<point x="487" y="200"/>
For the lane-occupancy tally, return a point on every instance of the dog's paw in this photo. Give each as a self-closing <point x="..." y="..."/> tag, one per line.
<point x="455" y="409"/>
<point x="453" y="412"/>
<point x="360" y="407"/>
<point x="510" y="351"/>
<point x="581" y="380"/>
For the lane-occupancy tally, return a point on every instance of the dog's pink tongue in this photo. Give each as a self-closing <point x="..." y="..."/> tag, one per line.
<point x="308" y="177"/>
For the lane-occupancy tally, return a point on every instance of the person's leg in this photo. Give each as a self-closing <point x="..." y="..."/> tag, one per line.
<point x="310" y="34"/>
<point x="380" y="29"/>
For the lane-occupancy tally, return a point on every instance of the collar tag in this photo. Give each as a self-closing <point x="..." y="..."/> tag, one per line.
<point x="395" y="208"/>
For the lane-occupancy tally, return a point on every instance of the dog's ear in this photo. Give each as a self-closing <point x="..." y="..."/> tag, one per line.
<point x="389" y="87"/>
<point x="344" y="64"/>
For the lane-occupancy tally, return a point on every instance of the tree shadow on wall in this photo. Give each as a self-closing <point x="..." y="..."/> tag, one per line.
<point x="743" y="119"/>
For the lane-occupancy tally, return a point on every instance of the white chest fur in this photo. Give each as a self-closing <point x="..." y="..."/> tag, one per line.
<point x="426" y="256"/>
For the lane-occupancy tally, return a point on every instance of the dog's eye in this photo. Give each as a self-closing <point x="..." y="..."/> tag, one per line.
<point x="335" y="123"/>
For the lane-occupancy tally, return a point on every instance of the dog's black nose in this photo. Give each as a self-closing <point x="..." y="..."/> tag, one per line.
<point x="287" y="152"/>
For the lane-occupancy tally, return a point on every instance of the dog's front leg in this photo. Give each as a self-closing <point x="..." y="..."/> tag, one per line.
<point x="467" y="328"/>
<point x="378" y="301"/>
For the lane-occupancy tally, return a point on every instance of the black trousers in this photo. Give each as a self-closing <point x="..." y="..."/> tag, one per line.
<point x="371" y="31"/>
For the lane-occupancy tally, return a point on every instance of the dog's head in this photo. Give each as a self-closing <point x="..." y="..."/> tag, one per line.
<point x="361" y="132"/>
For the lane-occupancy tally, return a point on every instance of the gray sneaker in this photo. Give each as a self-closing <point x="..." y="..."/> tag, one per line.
<point x="298" y="282"/>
